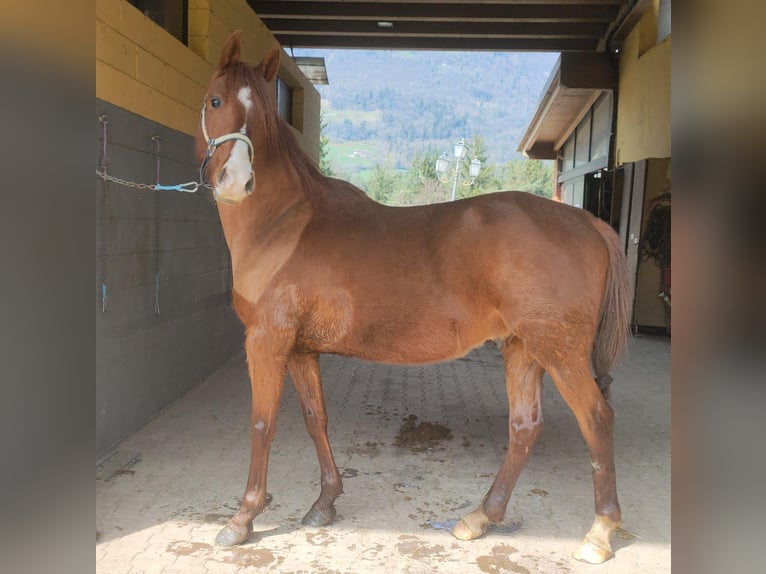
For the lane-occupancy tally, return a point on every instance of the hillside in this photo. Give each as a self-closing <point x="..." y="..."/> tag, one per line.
<point x="383" y="107"/>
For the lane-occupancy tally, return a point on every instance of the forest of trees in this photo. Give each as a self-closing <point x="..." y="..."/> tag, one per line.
<point x="387" y="116"/>
<point x="420" y="184"/>
<point x="404" y="102"/>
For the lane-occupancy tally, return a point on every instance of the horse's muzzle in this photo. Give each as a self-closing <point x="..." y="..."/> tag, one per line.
<point x="233" y="194"/>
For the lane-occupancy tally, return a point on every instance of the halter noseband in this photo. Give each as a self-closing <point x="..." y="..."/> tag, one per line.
<point x="213" y="143"/>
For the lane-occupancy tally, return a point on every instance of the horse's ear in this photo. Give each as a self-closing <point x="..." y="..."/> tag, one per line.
<point x="232" y="48"/>
<point x="270" y="63"/>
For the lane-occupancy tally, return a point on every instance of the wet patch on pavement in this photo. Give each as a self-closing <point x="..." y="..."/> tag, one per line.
<point x="421" y="436"/>
<point x="240" y="556"/>
<point x="500" y="561"/>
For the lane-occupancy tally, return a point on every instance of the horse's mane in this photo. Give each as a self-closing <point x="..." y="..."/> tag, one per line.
<point x="279" y="135"/>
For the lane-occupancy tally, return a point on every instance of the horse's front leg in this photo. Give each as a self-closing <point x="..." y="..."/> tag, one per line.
<point x="304" y="370"/>
<point x="266" y="360"/>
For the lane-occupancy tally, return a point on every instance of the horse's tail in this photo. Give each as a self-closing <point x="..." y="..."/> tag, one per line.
<point x="614" y="317"/>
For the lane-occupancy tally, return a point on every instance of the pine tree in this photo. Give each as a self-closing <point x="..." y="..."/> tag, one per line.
<point x="382" y="184"/>
<point x="325" y="166"/>
<point x="487" y="181"/>
<point x="530" y="175"/>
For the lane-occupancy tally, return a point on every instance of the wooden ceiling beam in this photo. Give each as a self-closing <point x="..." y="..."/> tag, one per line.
<point x="331" y="41"/>
<point x="596" y="71"/>
<point x="464" y="11"/>
<point x="499" y="29"/>
<point x="473" y="2"/>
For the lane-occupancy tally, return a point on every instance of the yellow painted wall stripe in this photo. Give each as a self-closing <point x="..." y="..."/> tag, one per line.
<point x="142" y="68"/>
<point x="643" y="108"/>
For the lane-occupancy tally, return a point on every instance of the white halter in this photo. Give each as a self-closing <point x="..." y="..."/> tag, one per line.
<point x="213" y="143"/>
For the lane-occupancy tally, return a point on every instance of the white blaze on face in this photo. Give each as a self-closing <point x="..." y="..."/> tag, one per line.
<point x="238" y="166"/>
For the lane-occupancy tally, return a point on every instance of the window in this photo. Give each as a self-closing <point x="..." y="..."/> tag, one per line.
<point x="285" y="100"/>
<point x="589" y="143"/>
<point x="602" y="120"/>
<point x="578" y="187"/>
<point x="582" y="142"/>
<point x="566" y="192"/>
<point x="568" y="160"/>
<point x="584" y="156"/>
<point x="170" y="14"/>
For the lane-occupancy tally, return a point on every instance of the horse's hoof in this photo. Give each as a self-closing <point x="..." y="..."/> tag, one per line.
<point x="471" y="526"/>
<point x="233" y="534"/>
<point x="592" y="554"/>
<point x="595" y="547"/>
<point x="317" y="517"/>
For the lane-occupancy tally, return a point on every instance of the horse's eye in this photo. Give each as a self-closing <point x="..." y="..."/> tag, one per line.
<point x="215" y="102"/>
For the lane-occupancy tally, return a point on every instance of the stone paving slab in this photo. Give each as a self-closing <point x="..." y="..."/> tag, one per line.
<point x="182" y="475"/>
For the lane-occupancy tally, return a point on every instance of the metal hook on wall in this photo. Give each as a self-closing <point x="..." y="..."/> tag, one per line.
<point x="157" y="293"/>
<point x="104" y="119"/>
<point x="157" y="141"/>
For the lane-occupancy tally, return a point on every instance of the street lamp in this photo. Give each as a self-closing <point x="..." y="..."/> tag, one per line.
<point x="459" y="151"/>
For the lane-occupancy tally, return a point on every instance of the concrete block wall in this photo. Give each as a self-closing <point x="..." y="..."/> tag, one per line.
<point x="146" y="360"/>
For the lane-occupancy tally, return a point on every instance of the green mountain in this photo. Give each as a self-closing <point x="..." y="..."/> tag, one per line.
<point x="384" y="107"/>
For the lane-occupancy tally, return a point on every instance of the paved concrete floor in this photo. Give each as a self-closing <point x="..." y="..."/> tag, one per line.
<point x="168" y="489"/>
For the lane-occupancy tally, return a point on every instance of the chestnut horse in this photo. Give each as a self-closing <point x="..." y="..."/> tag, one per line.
<point x="319" y="267"/>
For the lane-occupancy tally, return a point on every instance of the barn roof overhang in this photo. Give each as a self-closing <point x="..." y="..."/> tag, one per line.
<point x="488" y="25"/>
<point x="313" y="68"/>
<point x="575" y="83"/>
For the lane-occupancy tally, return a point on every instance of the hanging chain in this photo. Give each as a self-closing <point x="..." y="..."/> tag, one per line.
<point x="188" y="187"/>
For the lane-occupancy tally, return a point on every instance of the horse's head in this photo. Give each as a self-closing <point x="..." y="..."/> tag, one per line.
<point x="239" y="96"/>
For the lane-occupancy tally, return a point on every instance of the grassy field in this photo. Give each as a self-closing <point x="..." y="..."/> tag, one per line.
<point x="373" y="118"/>
<point x="356" y="159"/>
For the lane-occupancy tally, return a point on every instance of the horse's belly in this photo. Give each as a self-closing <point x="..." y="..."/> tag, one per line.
<point x="414" y="340"/>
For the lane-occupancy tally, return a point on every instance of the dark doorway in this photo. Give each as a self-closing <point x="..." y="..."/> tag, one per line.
<point x="597" y="194"/>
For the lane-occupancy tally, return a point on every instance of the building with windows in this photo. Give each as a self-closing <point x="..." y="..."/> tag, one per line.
<point x="604" y="119"/>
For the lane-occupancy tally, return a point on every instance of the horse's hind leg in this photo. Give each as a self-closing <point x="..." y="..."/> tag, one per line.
<point x="304" y="370"/>
<point x="523" y="380"/>
<point x="595" y="417"/>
